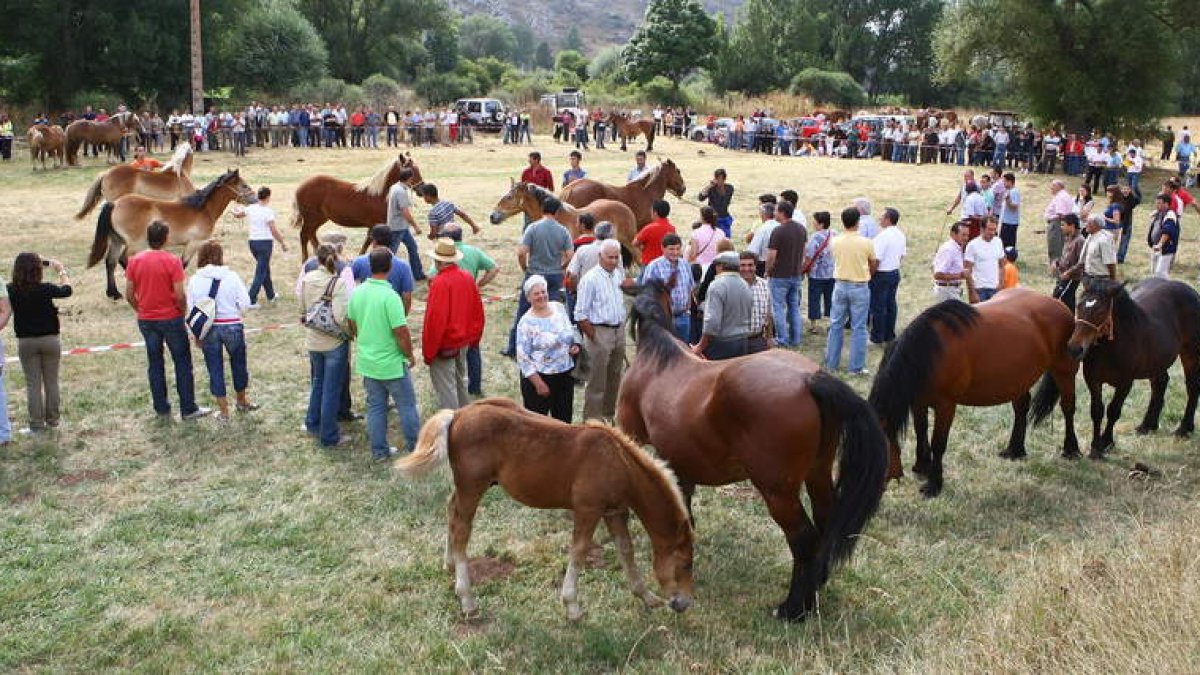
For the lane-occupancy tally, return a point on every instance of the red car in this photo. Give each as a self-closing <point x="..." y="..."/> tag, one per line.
<point x="809" y="126"/>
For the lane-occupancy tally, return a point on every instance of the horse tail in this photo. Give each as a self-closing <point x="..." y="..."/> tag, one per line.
<point x="297" y="216"/>
<point x="433" y="446"/>
<point x="104" y="231"/>
<point x="73" y="143"/>
<point x="92" y="198"/>
<point x="862" y="468"/>
<point x="1044" y="399"/>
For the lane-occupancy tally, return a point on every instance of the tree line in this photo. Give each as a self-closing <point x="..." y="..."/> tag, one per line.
<point x="1079" y="62"/>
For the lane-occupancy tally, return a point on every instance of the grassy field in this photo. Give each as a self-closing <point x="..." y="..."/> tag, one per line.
<point x="125" y="542"/>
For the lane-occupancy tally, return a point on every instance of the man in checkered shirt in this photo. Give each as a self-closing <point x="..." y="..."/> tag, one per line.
<point x="761" y="327"/>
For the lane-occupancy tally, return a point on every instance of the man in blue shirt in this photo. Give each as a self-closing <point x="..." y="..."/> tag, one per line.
<point x="676" y="274"/>
<point x="400" y="276"/>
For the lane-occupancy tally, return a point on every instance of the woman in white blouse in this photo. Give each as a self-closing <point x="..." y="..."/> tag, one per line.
<point x="227" y="333"/>
<point x="546" y="346"/>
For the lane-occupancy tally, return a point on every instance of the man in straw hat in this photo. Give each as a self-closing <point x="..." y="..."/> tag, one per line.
<point x="453" y="323"/>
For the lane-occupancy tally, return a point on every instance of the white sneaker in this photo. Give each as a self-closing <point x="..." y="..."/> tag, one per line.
<point x="255" y="306"/>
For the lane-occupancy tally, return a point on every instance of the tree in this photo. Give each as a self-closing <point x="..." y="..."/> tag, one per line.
<point x="675" y="37"/>
<point x="375" y="36"/>
<point x="482" y="35"/>
<point x="606" y="65"/>
<point x="572" y="61"/>
<point x="443" y="88"/>
<point x="573" y="42"/>
<point x="272" y="49"/>
<point x="828" y="86"/>
<point x="442" y="46"/>
<point x="761" y="51"/>
<point x="526" y="45"/>
<point x="542" y="58"/>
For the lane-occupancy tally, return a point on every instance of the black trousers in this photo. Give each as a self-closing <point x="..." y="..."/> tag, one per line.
<point x="721" y="349"/>
<point x="560" y="401"/>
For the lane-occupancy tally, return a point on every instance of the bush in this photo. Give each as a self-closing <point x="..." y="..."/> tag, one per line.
<point x="329" y="89"/>
<point x="382" y="91"/>
<point x="527" y="87"/>
<point x="659" y="89"/>
<point x="439" y="89"/>
<point x="828" y="86"/>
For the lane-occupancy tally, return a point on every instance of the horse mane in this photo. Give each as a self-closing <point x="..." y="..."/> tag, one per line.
<point x="631" y="452"/>
<point x="377" y="185"/>
<point x="200" y="197"/>
<point x="908" y="364"/>
<point x="648" y="325"/>
<point x="1125" y="311"/>
<point x="175" y="164"/>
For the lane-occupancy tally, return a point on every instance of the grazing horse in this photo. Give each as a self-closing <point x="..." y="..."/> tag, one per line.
<point x="593" y="470"/>
<point x="1124" y="336"/>
<point x="528" y="198"/>
<point x="639" y="195"/>
<point x="46" y="140"/>
<point x="121" y="228"/>
<point x="774" y="418"/>
<point x="628" y="128"/>
<point x="978" y="355"/>
<point x="322" y="198"/>
<point x="107" y="133"/>
<point x="172" y="181"/>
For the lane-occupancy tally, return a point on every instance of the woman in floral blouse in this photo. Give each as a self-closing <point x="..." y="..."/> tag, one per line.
<point x="545" y="347"/>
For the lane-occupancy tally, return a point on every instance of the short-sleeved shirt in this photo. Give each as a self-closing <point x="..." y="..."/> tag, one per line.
<point x="890" y="247"/>
<point x="651" y="236"/>
<point x="762" y="237"/>
<point x="985" y="257"/>
<point x="852" y="256"/>
<point x="1098" y="254"/>
<point x="154" y="274"/>
<point x="398" y="200"/>
<point x="1011" y="214"/>
<point x="573" y="174"/>
<point x="817" y="249"/>
<point x="546" y="240"/>
<point x="399" y="277"/>
<point x="376" y="310"/>
<point x="259" y="218"/>
<point x="787" y="240"/>
<point x="441" y="214"/>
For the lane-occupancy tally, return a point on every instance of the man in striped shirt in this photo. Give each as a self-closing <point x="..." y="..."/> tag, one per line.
<point x="759" y="339"/>
<point x="600" y="313"/>
<point x="442" y="212"/>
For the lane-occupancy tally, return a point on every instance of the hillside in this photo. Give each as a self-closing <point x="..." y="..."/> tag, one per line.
<point x="599" y="23"/>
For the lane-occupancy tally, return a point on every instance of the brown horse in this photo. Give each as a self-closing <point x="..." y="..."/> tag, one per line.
<point x="46" y="141"/>
<point x="172" y="181"/>
<point x="322" y="198"/>
<point x="774" y="418"/>
<point x="1123" y="336"/>
<point x="528" y="198"/>
<point x="628" y="128"/>
<point x="107" y="133"/>
<point x="979" y="355"/>
<point x="593" y="470"/>
<point x="121" y="228"/>
<point x="639" y="195"/>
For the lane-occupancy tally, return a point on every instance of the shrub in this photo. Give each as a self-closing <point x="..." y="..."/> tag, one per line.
<point x="439" y="89"/>
<point x="828" y="86"/>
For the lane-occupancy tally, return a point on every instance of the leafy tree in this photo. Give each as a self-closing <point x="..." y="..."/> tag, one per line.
<point x="573" y="42"/>
<point x="675" y="37"/>
<point x="442" y="46"/>
<point x="606" y="65"/>
<point x="443" y="88"/>
<point x="374" y="36"/>
<point x="542" y="58"/>
<point x="271" y="49"/>
<point x="482" y="35"/>
<point x="526" y="45"/>
<point x="572" y="61"/>
<point x="761" y="50"/>
<point x="381" y="91"/>
<point x="828" y="86"/>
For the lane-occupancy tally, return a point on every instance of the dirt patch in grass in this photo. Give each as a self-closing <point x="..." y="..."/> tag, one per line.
<point x="24" y="497"/>
<point x="73" y="479"/>
<point x="487" y="568"/>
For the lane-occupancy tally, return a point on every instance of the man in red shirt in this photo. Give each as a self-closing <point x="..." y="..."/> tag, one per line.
<point x="649" y="238"/>
<point x="154" y="288"/>
<point x="453" y="322"/>
<point x="538" y="175"/>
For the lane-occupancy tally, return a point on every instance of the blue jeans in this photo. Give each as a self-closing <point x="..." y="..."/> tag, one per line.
<point x="405" y="237"/>
<point x="5" y="423"/>
<point x="261" y="250"/>
<point x="683" y="326"/>
<point x="230" y="337"/>
<point x="554" y="284"/>
<point x="820" y="297"/>
<point x="1135" y="179"/>
<point x="474" y="370"/>
<point x="400" y="390"/>
<point x="302" y="136"/>
<point x="985" y="294"/>
<point x="725" y="224"/>
<point x="174" y="334"/>
<point x="960" y="154"/>
<point x="999" y="155"/>
<point x="1185" y="163"/>
<point x="883" y="287"/>
<point x="850" y="299"/>
<point x="327" y="370"/>
<point x="1126" y="235"/>
<point x="785" y="308"/>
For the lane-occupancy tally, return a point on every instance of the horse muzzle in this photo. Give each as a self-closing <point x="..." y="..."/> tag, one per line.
<point x="1077" y="352"/>
<point x="496" y="218"/>
<point x="680" y="603"/>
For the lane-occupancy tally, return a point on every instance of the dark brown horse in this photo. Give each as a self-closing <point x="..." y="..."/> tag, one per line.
<point x="628" y="128"/>
<point x="592" y="470"/>
<point x="773" y="418"/>
<point x="107" y="133"/>
<point x="1125" y="336"/>
<point x="978" y="355"/>
<point x="322" y="198"/>
<point x="639" y="195"/>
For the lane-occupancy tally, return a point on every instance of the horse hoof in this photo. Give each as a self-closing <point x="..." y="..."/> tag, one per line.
<point x="1013" y="454"/>
<point x="921" y="469"/>
<point x="1071" y="454"/>
<point x="786" y="613"/>
<point x="575" y="615"/>
<point x="1096" y="455"/>
<point x="1143" y="430"/>
<point x="929" y="490"/>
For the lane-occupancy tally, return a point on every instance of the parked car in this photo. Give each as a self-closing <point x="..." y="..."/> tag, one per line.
<point x="809" y="126"/>
<point x="486" y="114"/>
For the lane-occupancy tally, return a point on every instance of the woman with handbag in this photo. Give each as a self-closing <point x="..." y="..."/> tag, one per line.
<point x="546" y="345"/>
<point x="324" y="295"/>
<point x="818" y="265"/>
<point x="35" y="319"/>
<point x="226" y="334"/>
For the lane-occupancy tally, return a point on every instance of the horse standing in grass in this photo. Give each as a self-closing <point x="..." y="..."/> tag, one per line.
<point x="979" y="355"/>
<point x="319" y="199"/>
<point x="172" y="181"/>
<point x="46" y="140"/>
<point x="593" y="470"/>
<point x="528" y="198"/>
<point x="108" y="133"/>
<point x="1124" y="336"/>
<point x="774" y="418"/>
<point x="628" y="128"/>
<point x="121" y="227"/>
<point x="639" y="195"/>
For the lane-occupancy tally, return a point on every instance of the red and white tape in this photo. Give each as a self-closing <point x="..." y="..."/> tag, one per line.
<point x="121" y="346"/>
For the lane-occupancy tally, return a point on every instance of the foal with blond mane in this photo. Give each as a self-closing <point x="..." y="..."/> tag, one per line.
<point x="593" y="470"/>
<point x="172" y="181"/>
<point x="528" y="198"/>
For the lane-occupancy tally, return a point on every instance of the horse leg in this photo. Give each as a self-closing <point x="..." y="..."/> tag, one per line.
<point x="1114" y="413"/>
<point x="1191" y="377"/>
<point x="581" y="540"/>
<point x="943" y="418"/>
<point x="920" y="417"/>
<point x="189" y="251"/>
<point x="116" y="253"/>
<point x="623" y="139"/>
<point x="1096" y="408"/>
<point x="1158" y="394"/>
<point x="366" y="243"/>
<point x="1016" y="441"/>
<point x="1066" y="403"/>
<point x="461" y="511"/>
<point x="788" y="512"/>
<point x="618" y="527"/>
<point x="688" y="490"/>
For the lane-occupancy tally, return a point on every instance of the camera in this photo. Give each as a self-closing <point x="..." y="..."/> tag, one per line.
<point x="45" y="262"/>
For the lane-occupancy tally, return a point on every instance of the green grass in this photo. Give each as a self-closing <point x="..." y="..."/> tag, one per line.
<point x="129" y="543"/>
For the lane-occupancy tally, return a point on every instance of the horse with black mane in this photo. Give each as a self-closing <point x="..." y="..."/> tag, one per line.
<point x="774" y="418"/>
<point x="978" y="355"/>
<point x="1123" y="336"/>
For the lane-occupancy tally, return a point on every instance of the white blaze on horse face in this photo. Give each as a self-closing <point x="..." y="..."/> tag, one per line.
<point x="1090" y="303"/>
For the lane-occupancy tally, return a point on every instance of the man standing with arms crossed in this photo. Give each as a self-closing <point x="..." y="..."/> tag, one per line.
<point x="890" y="248"/>
<point x="600" y="313"/>
<point x="948" y="272"/>
<point x="1060" y="205"/>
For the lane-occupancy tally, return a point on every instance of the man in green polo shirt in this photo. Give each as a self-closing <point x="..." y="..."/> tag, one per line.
<point x="385" y="355"/>
<point x="473" y="262"/>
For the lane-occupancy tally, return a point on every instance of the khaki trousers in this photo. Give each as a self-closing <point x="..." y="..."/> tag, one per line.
<point x="449" y="378"/>
<point x="607" y="353"/>
<point x="40" y="358"/>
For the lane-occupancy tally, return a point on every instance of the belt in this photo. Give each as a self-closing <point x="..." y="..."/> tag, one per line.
<point x="852" y="283"/>
<point x="607" y="325"/>
<point x="952" y="284"/>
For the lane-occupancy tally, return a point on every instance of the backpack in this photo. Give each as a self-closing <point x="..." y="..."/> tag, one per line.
<point x="319" y="315"/>
<point x="203" y="314"/>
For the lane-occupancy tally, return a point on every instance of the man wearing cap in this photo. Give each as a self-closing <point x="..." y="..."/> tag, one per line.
<point x="600" y="313"/>
<point x="1060" y="205"/>
<point x="1099" y="252"/>
<point x="948" y="272"/>
<point x="676" y="275"/>
<point x="545" y="249"/>
<point x="453" y="323"/>
<point x="1068" y="269"/>
<point x="727" y="308"/>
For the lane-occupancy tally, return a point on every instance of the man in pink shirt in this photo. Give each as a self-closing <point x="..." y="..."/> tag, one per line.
<point x="1059" y="206"/>
<point x="154" y="287"/>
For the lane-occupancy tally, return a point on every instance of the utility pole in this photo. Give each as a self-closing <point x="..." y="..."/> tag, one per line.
<point x="197" y="61"/>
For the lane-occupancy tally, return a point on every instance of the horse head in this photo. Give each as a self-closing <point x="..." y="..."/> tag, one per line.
<point x="674" y="178"/>
<point x="673" y="568"/>
<point x="415" y="179"/>
<point x="243" y="193"/>
<point x="1094" y="315"/>
<point x="512" y="203"/>
<point x="651" y="302"/>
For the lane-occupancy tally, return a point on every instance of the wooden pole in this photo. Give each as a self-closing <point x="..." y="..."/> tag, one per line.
<point x="197" y="61"/>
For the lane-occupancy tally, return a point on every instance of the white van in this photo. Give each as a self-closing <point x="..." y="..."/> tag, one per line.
<point x="486" y="114"/>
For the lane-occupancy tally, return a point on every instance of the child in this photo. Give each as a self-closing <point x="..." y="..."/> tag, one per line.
<point x="1012" y="276"/>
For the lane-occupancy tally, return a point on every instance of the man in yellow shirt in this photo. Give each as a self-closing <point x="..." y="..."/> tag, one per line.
<point x="853" y="263"/>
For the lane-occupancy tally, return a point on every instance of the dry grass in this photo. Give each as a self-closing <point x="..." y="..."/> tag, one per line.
<point x="129" y="543"/>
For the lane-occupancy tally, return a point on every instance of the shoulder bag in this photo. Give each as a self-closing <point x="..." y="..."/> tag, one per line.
<point x="202" y="315"/>
<point x="319" y="315"/>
